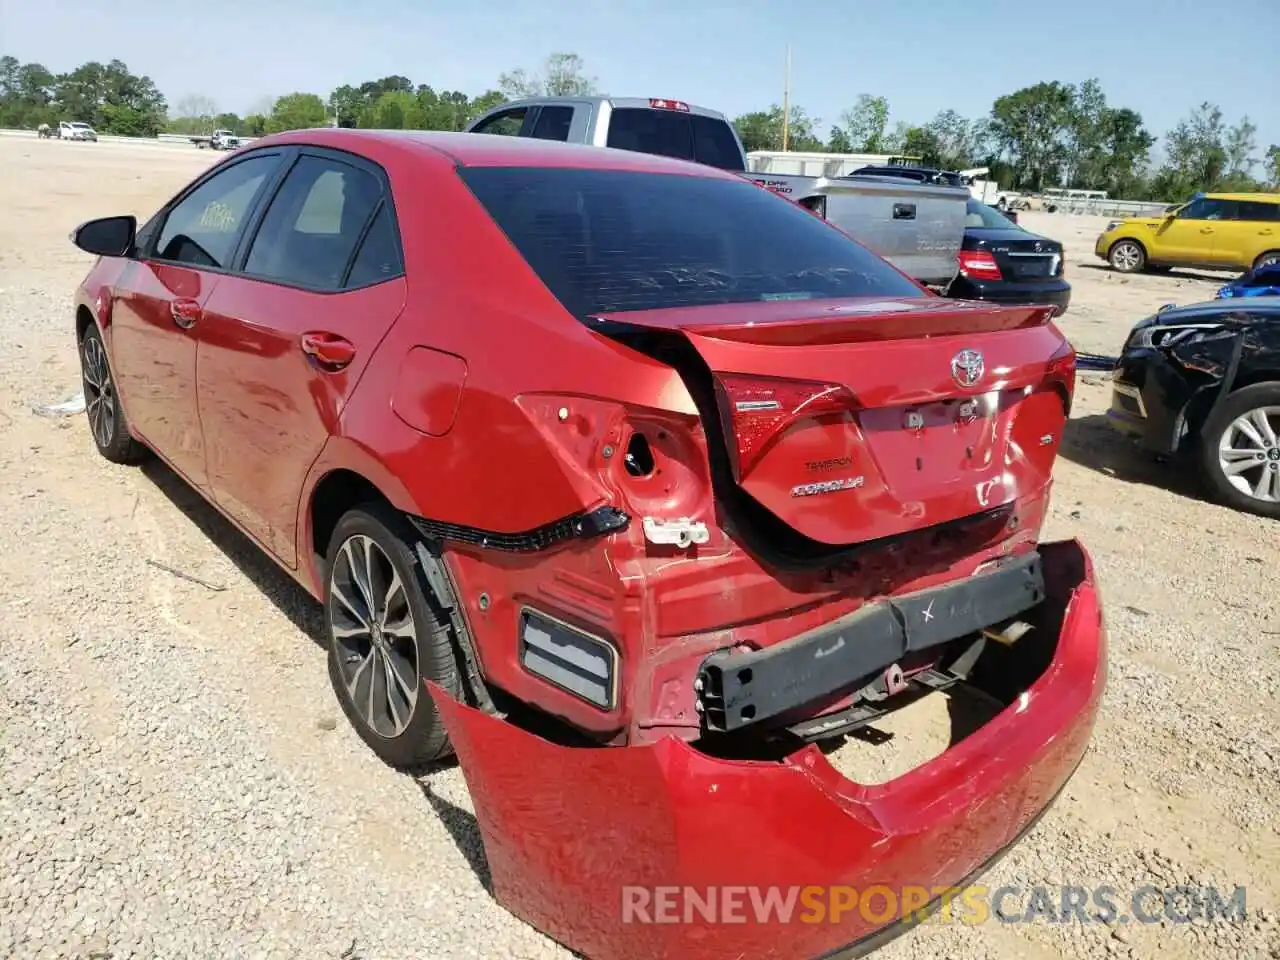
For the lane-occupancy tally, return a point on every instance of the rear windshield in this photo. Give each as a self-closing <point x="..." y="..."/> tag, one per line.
<point x="611" y="241"/>
<point x="980" y="215"/>
<point x="685" y="136"/>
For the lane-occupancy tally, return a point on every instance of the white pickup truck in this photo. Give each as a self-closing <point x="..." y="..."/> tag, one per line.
<point x="917" y="227"/>
<point x="220" y="140"/>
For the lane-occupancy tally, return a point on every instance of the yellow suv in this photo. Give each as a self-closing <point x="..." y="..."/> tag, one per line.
<point x="1214" y="231"/>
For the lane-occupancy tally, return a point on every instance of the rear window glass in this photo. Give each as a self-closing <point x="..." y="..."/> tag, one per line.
<point x="980" y="215"/>
<point x="612" y="241"/>
<point x="667" y="133"/>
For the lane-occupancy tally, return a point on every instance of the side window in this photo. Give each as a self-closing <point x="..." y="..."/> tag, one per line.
<point x="506" y="124"/>
<point x="314" y="223"/>
<point x="553" y="123"/>
<point x="203" y="229"/>
<point x="1204" y="209"/>
<point x="1227" y="210"/>
<point x="379" y="255"/>
<point x="1256" y="211"/>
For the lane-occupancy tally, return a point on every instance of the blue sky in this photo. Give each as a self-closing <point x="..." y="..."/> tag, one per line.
<point x="1159" y="58"/>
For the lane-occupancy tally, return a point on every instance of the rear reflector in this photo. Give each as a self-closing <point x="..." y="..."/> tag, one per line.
<point x="978" y="265"/>
<point x="576" y="662"/>
<point x="669" y="105"/>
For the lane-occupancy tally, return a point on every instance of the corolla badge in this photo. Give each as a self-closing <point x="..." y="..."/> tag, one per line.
<point x="967" y="367"/>
<point x="828" y="486"/>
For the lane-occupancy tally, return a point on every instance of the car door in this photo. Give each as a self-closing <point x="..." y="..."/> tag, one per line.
<point x="283" y="341"/>
<point x="1190" y="237"/>
<point x="157" y="304"/>
<point x="1250" y="232"/>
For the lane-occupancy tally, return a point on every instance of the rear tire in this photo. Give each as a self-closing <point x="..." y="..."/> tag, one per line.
<point x="1127" y="256"/>
<point x="386" y="635"/>
<point x="107" y="422"/>
<point x="1240" y="447"/>
<point x="1268" y="258"/>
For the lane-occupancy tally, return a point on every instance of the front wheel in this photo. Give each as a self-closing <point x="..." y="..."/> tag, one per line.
<point x="385" y="637"/>
<point x="1240" y="450"/>
<point x="1127" y="256"/>
<point x="1268" y="259"/>
<point x="107" y="422"/>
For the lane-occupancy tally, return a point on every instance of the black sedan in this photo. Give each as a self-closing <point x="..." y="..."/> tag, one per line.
<point x="1002" y="263"/>
<point x="1204" y="380"/>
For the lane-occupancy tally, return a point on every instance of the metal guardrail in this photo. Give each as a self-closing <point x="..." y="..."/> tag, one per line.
<point x="1112" y="208"/>
<point x="164" y="139"/>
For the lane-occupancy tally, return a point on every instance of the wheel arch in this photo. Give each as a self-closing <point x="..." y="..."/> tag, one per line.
<point x="84" y="320"/>
<point x="1196" y="412"/>
<point x="1257" y="261"/>
<point x="346" y="474"/>
<point x="1146" y="254"/>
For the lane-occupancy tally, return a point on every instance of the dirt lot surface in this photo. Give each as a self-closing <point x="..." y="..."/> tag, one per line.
<point x="176" y="778"/>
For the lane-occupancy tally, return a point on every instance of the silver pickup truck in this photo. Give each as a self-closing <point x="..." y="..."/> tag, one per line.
<point x="916" y="227"/>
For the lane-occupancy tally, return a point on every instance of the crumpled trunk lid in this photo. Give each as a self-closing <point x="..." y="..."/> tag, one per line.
<point x="854" y="420"/>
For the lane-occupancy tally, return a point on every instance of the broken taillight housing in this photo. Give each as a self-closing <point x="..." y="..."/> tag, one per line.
<point x="754" y="410"/>
<point x="979" y="265"/>
<point x="1060" y="371"/>
<point x="815" y="205"/>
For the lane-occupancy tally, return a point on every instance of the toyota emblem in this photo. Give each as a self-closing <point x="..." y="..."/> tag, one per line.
<point x="967" y="367"/>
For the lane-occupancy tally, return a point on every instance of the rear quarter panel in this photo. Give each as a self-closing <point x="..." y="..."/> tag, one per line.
<point x="470" y="295"/>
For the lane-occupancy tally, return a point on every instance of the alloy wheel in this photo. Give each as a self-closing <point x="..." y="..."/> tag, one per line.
<point x="374" y="636"/>
<point x="99" y="392"/>
<point x="1125" y="257"/>
<point x="1249" y="453"/>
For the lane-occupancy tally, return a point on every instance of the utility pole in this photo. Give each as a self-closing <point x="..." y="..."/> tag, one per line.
<point x="786" y="103"/>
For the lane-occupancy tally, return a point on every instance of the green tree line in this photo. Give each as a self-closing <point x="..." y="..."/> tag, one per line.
<point x="109" y="98"/>
<point x="1051" y="134"/>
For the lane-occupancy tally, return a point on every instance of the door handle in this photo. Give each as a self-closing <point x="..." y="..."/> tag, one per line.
<point x="1206" y="229"/>
<point x="1264" y="233"/>
<point x="185" y="313"/>
<point x="328" y="349"/>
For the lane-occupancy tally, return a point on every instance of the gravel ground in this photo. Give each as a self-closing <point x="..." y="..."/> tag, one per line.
<point x="177" y="781"/>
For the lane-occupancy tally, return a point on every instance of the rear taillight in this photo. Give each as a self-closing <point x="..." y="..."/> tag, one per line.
<point x="757" y="409"/>
<point x="1060" y="373"/>
<point x="978" y="265"/>
<point x="815" y="205"/>
<point x="669" y="105"/>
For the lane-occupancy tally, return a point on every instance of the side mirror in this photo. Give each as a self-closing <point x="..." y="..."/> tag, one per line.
<point x="107" y="236"/>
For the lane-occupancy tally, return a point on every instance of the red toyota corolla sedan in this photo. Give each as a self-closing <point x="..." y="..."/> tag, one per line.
<point x="629" y="482"/>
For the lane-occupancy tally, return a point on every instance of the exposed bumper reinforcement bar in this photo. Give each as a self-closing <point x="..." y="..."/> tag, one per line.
<point x="571" y="834"/>
<point x="740" y="689"/>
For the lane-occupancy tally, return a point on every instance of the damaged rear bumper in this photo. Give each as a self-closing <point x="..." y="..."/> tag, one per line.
<point x="572" y="833"/>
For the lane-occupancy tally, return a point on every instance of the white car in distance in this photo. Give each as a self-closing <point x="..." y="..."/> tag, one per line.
<point x="76" y="130"/>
